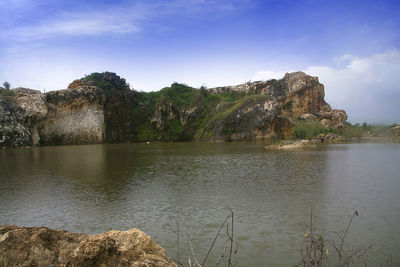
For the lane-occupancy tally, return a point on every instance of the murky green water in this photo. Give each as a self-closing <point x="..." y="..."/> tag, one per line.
<point x="160" y="186"/>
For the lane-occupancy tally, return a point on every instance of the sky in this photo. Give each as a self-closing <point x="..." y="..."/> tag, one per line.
<point x="352" y="46"/>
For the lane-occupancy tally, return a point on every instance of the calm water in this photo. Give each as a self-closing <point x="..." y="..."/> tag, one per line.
<point x="164" y="186"/>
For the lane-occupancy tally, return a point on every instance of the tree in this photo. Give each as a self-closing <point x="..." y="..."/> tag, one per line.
<point x="7" y="85"/>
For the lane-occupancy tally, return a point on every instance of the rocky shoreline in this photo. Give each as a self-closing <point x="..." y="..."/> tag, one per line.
<point x="41" y="246"/>
<point x="313" y="143"/>
<point x="329" y="138"/>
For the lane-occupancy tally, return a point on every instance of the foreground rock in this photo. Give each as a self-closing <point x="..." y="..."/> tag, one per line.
<point x="41" y="246"/>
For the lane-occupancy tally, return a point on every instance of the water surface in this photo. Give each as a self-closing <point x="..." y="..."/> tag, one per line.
<point x="161" y="187"/>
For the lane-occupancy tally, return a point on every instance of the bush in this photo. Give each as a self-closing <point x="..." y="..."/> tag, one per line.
<point x="181" y="95"/>
<point x="307" y="129"/>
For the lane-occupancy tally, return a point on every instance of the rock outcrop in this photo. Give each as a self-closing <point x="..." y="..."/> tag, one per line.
<point x="270" y="108"/>
<point x="41" y="246"/>
<point x="102" y="108"/>
<point x="19" y="111"/>
<point x="74" y="116"/>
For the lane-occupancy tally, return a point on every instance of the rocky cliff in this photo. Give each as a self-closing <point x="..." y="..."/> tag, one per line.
<point x="73" y="116"/>
<point x="41" y="246"/>
<point x="102" y="108"/>
<point x="259" y="110"/>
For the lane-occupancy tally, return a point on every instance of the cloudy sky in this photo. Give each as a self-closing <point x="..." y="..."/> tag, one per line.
<point x="352" y="46"/>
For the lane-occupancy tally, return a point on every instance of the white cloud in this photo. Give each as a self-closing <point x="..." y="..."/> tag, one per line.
<point x="367" y="88"/>
<point x="122" y="18"/>
<point x="79" y="23"/>
<point x="91" y="26"/>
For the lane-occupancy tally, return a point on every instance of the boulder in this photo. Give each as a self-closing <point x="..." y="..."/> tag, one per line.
<point x="307" y="116"/>
<point x="333" y="138"/>
<point x="335" y="118"/>
<point x="41" y="246"/>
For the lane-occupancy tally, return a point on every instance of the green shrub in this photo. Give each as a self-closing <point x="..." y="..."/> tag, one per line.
<point x="103" y="81"/>
<point x="173" y="129"/>
<point x="181" y="95"/>
<point x="307" y="129"/>
<point x="146" y="133"/>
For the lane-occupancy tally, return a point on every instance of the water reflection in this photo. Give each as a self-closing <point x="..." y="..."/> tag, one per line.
<point x="155" y="187"/>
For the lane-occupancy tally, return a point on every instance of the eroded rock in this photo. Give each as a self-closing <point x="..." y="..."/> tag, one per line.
<point x="41" y="246"/>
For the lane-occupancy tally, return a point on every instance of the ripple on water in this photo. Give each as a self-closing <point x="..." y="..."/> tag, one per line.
<point x="161" y="188"/>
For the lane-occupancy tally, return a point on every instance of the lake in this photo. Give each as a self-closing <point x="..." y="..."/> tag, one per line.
<point x="162" y="187"/>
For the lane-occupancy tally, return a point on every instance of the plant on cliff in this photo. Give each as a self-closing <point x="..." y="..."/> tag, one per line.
<point x="108" y="81"/>
<point x="7" y="85"/>
<point x="181" y="95"/>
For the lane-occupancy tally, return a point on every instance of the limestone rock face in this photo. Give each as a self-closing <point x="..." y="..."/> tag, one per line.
<point x="18" y="114"/>
<point x="297" y="95"/>
<point x="74" y="116"/>
<point x="333" y="118"/>
<point x="41" y="246"/>
<point x="251" y="118"/>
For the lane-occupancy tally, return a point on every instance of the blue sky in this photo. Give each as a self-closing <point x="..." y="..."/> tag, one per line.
<point x="352" y="46"/>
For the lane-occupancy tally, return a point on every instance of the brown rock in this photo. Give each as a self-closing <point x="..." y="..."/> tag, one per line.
<point x="336" y="118"/>
<point x="41" y="246"/>
<point x="308" y="116"/>
<point x="284" y="127"/>
<point x="75" y="84"/>
<point x="333" y="138"/>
